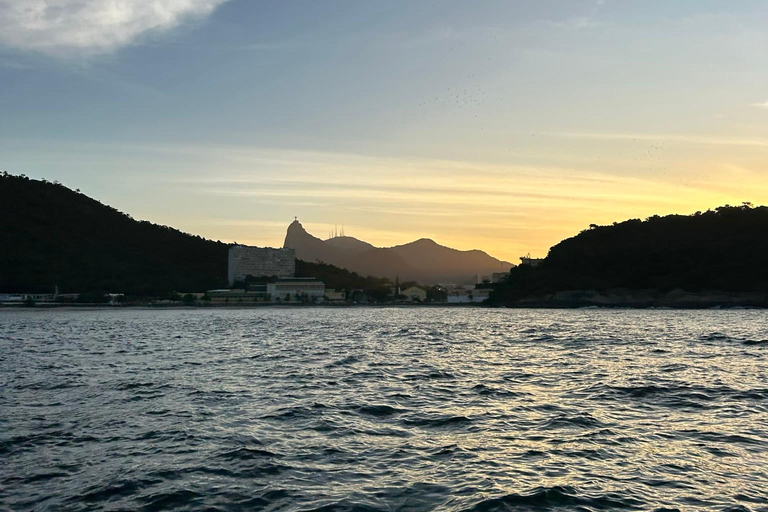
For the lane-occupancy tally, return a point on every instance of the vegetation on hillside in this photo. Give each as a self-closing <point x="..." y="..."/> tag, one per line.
<point x="53" y="236"/>
<point x="340" y="278"/>
<point x="723" y="249"/>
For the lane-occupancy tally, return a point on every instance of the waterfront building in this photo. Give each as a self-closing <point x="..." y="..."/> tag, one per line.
<point x="468" y="295"/>
<point x="459" y="296"/>
<point x="335" y="295"/>
<point x="247" y="261"/>
<point x="296" y="289"/>
<point x="38" y="298"/>
<point x="227" y="295"/>
<point x="415" y="293"/>
<point x="533" y="262"/>
<point x="481" y="294"/>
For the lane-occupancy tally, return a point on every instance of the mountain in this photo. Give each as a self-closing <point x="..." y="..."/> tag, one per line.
<point x="53" y="236"/>
<point x="423" y="261"/>
<point x="348" y="243"/>
<point x="723" y="250"/>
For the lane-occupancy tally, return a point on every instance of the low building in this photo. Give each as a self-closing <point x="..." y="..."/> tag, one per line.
<point x="237" y="295"/>
<point x="415" y="293"/>
<point x="296" y="289"/>
<point x="116" y="298"/>
<point x="481" y="294"/>
<point x="37" y="298"/>
<point x="245" y="261"/>
<point x="532" y="262"/>
<point x="335" y="295"/>
<point x="468" y="295"/>
<point x="459" y="296"/>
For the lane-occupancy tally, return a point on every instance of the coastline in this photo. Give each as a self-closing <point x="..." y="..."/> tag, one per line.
<point x="643" y="299"/>
<point x="190" y="307"/>
<point x="543" y="302"/>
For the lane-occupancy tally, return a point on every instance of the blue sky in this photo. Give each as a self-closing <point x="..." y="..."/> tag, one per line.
<point x="501" y="125"/>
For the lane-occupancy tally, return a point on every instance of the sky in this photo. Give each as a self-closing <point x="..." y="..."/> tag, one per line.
<point x="501" y="125"/>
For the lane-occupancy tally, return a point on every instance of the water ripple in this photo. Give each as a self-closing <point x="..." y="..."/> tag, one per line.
<point x="376" y="409"/>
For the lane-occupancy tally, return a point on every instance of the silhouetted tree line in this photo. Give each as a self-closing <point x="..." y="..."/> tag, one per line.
<point x="51" y="235"/>
<point x="342" y="279"/>
<point x="725" y="249"/>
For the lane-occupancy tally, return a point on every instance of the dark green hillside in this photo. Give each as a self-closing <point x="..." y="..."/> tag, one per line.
<point x="341" y="278"/>
<point x="51" y="235"/>
<point x="721" y="250"/>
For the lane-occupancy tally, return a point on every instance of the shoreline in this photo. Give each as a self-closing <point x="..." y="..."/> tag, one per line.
<point x="547" y="305"/>
<point x="643" y="299"/>
<point x="190" y="307"/>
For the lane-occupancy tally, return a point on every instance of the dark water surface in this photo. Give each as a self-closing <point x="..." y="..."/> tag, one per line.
<point x="384" y="410"/>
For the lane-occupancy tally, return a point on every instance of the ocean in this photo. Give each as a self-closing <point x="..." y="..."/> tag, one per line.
<point x="383" y="409"/>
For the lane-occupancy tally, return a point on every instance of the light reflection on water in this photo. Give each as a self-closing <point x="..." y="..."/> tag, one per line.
<point x="384" y="409"/>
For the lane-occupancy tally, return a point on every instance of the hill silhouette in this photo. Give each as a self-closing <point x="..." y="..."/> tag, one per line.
<point x="723" y="250"/>
<point x="53" y="236"/>
<point x="342" y="279"/>
<point x="424" y="260"/>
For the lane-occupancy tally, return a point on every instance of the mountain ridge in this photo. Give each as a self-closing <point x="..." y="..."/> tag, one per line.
<point x="423" y="260"/>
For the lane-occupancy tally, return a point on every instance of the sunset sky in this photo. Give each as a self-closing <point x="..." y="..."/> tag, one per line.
<point x="501" y="125"/>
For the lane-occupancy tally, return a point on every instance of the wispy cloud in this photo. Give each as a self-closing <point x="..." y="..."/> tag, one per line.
<point x="668" y="137"/>
<point x="761" y="105"/>
<point x="503" y="208"/>
<point x="89" y="27"/>
<point x="578" y="23"/>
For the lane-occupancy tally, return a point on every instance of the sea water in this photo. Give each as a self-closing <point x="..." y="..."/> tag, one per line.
<point x="383" y="409"/>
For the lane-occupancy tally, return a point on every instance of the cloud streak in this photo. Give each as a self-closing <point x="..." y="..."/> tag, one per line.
<point x="88" y="27"/>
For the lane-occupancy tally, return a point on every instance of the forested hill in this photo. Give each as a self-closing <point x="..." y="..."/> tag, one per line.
<point x="721" y="250"/>
<point x="51" y="235"/>
<point x="341" y="278"/>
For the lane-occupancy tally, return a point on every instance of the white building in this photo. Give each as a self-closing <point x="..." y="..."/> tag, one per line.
<point x="247" y="261"/>
<point x="533" y="262"/>
<point x="335" y="295"/>
<point x="468" y="295"/>
<point x="296" y="289"/>
<point x="415" y="293"/>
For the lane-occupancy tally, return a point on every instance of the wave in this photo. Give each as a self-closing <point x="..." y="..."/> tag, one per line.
<point x="344" y="361"/>
<point x="546" y="498"/>
<point x="440" y="421"/>
<point x="676" y="394"/>
<point x="172" y="500"/>
<point x="717" y="336"/>
<point x="96" y="494"/>
<point x="346" y="506"/>
<point x="379" y="410"/>
<point x="245" y="453"/>
<point x="582" y="420"/>
<point x="483" y="390"/>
